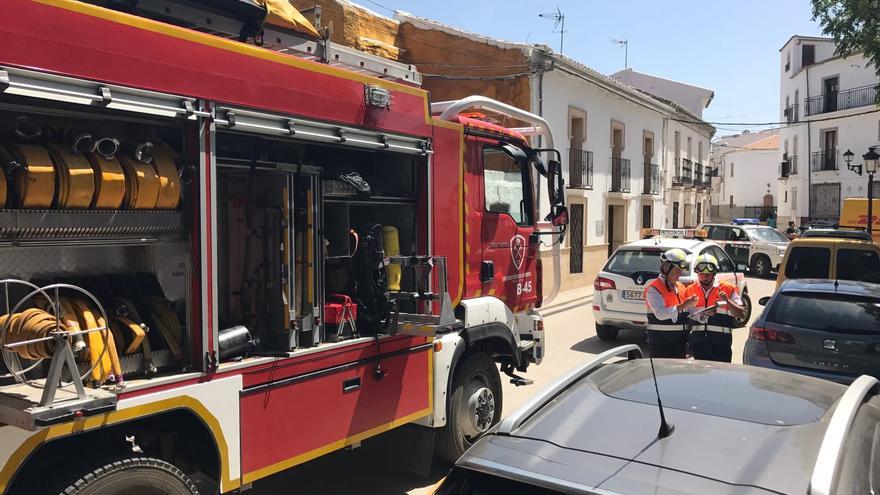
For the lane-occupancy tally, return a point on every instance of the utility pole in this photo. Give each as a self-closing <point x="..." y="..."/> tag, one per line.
<point x="559" y="19"/>
<point x="625" y="44"/>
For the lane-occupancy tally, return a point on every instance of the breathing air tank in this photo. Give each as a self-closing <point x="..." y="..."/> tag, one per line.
<point x="391" y="243"/>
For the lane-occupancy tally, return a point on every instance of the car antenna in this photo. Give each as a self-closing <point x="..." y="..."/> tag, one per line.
<point x="666" y="428"/>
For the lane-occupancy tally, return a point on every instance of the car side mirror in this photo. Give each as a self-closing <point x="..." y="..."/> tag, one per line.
<point x="559" y="216"/>
<point x="741" y="268"/>
<point x="555" y="183"/>
<point x="764" y="300"/>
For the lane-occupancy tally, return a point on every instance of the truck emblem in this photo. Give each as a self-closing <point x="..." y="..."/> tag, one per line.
<point x="518" y="250"/>
<point x="640" y="280"/>
<point x="830" y="345"/>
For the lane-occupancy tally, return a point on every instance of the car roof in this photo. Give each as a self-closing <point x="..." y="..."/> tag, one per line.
<point x="851" y="287"/>
<point x="666" y="243"/>
<point x="713" y="407"/>
<point x="838" y="233"/>
<point x="830" y="241"/>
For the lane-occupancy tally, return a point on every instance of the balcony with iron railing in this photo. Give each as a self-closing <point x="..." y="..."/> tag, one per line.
<point x="791" y="114"/>
<point x="620" y="174"/>
<point x="788" y="167"/>
<point x="842" y="100"/>
<point x="682" y="175"/>
<point x="698" y="175"/>
<point x="580" y="168"/>
<point x="652" y="179"/>
<point x="824" y="160"/>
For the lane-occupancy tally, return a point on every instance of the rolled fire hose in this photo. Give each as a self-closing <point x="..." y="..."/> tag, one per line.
<point x="31" y="324"/>
<point x="127" y="310"/>
<point x="169" y="325"/>
<point x="25" y="130"/>
<point x="169" y="180"/>
<point x="75" y="178"/>
<point x="109" y="182"/>
<point x="97" y="350"/>
<point x="141" y="184"/>
<point x="71" y="321"/>
<point x="139" y="151"/>
<point x="35" y="181"/>
<point x="118" y="323"/>
<point x="391" y="243"/>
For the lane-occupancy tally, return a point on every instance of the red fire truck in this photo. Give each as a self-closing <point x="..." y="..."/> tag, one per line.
<point x="221" y="260"/>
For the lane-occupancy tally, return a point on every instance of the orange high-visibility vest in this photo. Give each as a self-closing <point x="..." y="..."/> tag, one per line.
<point x="723" y="320"/>
<point x="670" y="298"/>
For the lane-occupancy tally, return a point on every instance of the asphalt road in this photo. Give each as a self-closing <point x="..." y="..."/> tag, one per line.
<point x="571" y="340"/>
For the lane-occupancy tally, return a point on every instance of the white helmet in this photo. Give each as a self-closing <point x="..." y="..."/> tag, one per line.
<point x="676" y="257"/>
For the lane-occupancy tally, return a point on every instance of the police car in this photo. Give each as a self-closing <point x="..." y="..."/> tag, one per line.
<point x="618" y="297"/>
<point x="758" y="247"/>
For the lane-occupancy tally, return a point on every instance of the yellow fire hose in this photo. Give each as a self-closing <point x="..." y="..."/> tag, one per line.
<point x="391" y="243"/>
<point x="141" y="184"/>
<point x="169" y="325"/>
<point x="75" y="178"/>
<point x="118" y="323"/>
<point x="36" y="183"/>
<point x="169" y="180"/>
<point x="109" y="182"/>
<point x="109" y="360"/>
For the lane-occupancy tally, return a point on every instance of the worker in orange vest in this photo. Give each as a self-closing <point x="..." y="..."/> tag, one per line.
<point x="667" y="307"/>
<point x="711" y="331"/>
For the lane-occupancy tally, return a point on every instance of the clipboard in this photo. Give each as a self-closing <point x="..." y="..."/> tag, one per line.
<point x="702" y="311"/>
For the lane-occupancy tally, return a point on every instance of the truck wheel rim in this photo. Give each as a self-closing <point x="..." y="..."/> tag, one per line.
<point x="480" y="410"/>
<point x="759" y="266"/>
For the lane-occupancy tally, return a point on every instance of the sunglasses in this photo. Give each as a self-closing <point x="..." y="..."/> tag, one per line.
<point x="705" y="268"/>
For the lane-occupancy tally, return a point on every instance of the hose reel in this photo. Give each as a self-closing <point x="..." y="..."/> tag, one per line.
<point x="34" y="333"/>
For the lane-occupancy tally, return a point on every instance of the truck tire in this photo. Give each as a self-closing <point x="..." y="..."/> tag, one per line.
<point x="474" y="406"/>
<point x="606" y="332"/>
<point x="142" y="475"/>
<point x="761" y="266"/>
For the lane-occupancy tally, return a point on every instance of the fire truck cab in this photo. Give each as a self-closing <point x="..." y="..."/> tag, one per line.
<point x="222" y="260"/>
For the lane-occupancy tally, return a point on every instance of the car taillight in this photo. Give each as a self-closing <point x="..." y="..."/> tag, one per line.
<point x="602" y="283"/>
<point x="770" y="335"/>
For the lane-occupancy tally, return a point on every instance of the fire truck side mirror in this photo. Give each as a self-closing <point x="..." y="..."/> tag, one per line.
<point x="555" y="183"/>
<point x="559" y="216"/>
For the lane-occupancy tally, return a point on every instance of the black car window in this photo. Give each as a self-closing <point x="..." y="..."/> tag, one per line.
<point x="807" y="262"/>
<point x="467" y="482"/>
<point x="838" y="313"/>
<point x="858" y="264"/>
<point x="860" y="472"/>
<point x="717" y="233"/>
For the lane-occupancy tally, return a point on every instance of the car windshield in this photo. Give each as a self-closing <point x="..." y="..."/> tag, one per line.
<point x="767" y="235"/>
<point x="837" y="313"/>
<point x="630" y="261"/>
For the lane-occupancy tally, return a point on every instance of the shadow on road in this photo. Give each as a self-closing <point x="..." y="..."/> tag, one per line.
<point x="358" y="471"/>
<point x="595" y="345"/>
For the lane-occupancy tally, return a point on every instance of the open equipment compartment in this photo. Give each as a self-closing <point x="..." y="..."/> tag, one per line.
<point x="291" y="231"/>
<point x="93" y="198"/>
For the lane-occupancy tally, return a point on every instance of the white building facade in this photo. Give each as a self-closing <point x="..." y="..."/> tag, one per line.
<point x="746" y="182"/>
<point x="828" y="103"/>
<point x="618" y="160"/>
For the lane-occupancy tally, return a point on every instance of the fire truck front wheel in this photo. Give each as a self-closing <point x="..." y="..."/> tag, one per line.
<point x="142" y="475"/>
<point x="473" y="408"/>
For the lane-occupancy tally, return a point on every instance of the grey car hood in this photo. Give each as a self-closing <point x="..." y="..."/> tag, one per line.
<point x="733" y="451"/>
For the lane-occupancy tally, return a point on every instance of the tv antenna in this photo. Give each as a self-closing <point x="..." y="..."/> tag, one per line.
<point x="625" y="44"/>
<point x="559" y="19"/>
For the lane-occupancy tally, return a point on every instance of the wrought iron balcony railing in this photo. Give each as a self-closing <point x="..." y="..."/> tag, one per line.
<point x="824" y="160"/>
<point x="620" y="175"/>
<point x="792" y="114"/>
<point x="652" y="179"/>
<point x="580" y="168"/>
<point x="842" y="100"/>
<point x="788" y="167"/>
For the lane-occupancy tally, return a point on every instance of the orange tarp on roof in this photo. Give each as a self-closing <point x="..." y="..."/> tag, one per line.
<point x="282" y="14"/>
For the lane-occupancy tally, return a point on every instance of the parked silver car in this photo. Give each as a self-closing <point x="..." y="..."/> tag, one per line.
<point x="824" y="328"/>
<point x="736" y="430"/>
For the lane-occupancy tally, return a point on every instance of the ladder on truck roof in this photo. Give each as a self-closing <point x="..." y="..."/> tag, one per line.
<point x="199" y="18"/>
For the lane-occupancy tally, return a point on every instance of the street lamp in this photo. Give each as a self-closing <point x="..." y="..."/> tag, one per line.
<point x="871" y="159"/>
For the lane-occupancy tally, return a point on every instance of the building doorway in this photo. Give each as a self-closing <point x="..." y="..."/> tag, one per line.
<point x="576" y="239"/>
<point x="646" y="217"/>
<point x="675" y="214"/>
<point x="616" y="227"/>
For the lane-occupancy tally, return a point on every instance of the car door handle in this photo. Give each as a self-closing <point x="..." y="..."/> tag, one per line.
<point x="351" y="385"/>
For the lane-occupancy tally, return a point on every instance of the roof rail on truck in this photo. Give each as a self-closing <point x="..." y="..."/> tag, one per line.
<point x="213" y="22"/>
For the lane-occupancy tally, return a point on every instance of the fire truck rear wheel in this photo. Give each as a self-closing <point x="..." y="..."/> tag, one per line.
<point x="606" y="332"/>
<point x="474" y="406"/>
<point x="133" y="475"/>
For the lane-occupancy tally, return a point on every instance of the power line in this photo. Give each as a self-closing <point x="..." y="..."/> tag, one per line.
<point x="377" y="4"/>
<point x="781" y="124"/>
<point x="508" y="77"/>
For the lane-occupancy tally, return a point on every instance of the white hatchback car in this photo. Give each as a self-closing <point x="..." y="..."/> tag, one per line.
<point x="618" y="298"/>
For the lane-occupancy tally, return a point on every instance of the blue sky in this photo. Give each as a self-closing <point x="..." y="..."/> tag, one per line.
<point x="730" y="47"/>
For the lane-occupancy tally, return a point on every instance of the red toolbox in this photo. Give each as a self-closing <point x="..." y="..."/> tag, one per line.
<point x="337" y="308"/>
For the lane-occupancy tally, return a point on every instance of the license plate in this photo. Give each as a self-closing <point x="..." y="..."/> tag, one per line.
<point x="633" y="295"/>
